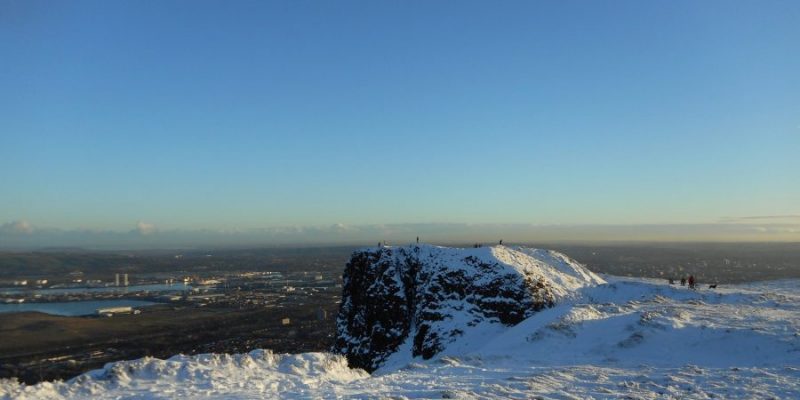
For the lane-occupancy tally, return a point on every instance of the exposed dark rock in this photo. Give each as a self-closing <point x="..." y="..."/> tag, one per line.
<point x="432" y="295"/>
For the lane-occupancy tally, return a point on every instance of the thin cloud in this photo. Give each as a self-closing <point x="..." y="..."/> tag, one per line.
<point x="144" y="228"/>
<point x="776" y="229"/>
<point x="18" y="227"/>
<point x="751" y="218"/>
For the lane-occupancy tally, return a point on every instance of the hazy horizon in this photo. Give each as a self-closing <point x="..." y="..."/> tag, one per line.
<point x="23" y="236"/>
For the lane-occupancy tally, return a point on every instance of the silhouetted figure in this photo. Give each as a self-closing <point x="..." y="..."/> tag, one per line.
<point x="671" y="281"/>
<point x="683" y="281"/>
<point x="417" y="239"/>
<point x="501" y="242"/>
<point x="691" y="282"/>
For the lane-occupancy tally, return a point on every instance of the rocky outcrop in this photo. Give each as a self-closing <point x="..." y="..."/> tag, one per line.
<point x="420" y="298"/>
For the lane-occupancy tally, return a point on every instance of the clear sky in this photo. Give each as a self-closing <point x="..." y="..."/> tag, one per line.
<point x="242" y="115"/>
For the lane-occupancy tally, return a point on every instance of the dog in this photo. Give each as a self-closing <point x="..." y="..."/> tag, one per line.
<point x="714" y="286"/>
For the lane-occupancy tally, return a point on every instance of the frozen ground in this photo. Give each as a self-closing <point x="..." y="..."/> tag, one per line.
<point x="630" y="338"/>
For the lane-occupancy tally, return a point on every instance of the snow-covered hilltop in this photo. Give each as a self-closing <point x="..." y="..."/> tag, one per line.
<point x="625" y="338"/>
<point x="415" y="301"/>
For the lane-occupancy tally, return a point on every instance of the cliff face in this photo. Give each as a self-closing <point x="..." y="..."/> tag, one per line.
<point x="423" y="297"/>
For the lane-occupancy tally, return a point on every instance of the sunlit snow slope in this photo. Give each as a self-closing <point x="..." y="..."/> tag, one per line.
<point x="419" y="300"/>
<point x="629" y="337"/>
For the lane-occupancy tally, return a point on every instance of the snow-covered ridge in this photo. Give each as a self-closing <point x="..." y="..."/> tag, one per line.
<point x="567" y="274"/>
<point x="635" y="338"/>
<point x="418" y="300"/>
<point x="204" y="375"/>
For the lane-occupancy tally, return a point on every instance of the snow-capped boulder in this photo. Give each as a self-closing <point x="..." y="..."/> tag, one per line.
<point x="423" y="297"/>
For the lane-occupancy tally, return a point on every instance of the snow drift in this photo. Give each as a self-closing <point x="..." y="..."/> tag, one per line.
<point x="422" y="298"/>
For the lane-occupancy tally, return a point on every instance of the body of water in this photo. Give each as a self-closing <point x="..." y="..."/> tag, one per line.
<point x="72" y="308"/>
<point x="175" y="287"/>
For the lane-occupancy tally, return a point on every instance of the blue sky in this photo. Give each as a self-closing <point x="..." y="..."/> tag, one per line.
<point x="242" y="115"/>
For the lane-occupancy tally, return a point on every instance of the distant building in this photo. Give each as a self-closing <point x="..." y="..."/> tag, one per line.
<point x="116" y="279"/>
<point x="108" y="311"/>
<point x="206" y="297"/>
<point x="126" y="279"/>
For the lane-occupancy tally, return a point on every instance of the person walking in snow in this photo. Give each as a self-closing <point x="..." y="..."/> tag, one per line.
<point x="691" y="282"/>
<point x="683" y="281"/>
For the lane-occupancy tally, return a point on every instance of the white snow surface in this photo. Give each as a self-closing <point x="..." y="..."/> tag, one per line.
<point x="566" y="275"/>
<point x="627" y="338"/>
